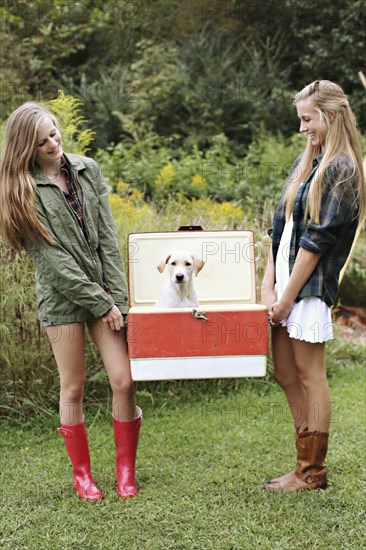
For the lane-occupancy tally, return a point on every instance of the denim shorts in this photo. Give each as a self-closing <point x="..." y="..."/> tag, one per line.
<point x="47" y="324"/>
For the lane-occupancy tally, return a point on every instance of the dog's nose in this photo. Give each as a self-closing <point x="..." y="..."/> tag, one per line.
<point x="179" y="277"/>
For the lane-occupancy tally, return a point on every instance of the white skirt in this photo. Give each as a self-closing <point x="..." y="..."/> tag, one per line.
<point x="310" y="319"/>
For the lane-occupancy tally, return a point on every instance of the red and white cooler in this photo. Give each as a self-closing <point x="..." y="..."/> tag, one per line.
<point x="226" y="336"/>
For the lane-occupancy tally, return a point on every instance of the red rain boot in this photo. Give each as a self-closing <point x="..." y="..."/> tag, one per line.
<point x="126" y="437"/>
<point x="76" y="443"/>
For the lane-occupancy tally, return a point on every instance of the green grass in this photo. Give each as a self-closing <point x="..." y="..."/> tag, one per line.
<point x="202" y="462"/>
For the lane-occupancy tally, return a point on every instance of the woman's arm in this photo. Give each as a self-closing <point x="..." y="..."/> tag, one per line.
<point x="268" y="293"/>
<point x="109" y="252"/>
<point x="60" y="269"/>
<point x="305" y="264"/>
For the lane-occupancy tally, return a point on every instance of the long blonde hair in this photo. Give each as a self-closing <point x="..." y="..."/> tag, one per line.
<point x="341" y="138"/>
<point x="18" y="213"/>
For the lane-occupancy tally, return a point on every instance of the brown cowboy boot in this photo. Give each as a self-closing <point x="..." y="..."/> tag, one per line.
<point x="310" y="470"/>
<point x="284" y="477"/>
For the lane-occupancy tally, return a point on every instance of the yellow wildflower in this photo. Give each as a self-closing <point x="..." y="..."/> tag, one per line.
<point x="199" y="184"/>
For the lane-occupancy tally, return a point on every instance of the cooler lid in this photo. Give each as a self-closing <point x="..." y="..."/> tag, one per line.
<point x="228" y="275"/>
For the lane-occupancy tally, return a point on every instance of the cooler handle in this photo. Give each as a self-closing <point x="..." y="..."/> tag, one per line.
<point x="197" y="314"/>
<point x="190" y="228"/>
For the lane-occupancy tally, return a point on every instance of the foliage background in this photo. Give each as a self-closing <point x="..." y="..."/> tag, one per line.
<point x="188" y="108"/>
<point x="184" y="71"/>
<point x="187" y="105"/>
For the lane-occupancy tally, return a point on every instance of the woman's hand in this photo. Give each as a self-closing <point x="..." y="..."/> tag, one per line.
<point x="268" y="293"/>
<point x="305" y="264"/>
<point x="279" y="311"/>
<point x="268" y="297"/>
<point x="113" y="319"/>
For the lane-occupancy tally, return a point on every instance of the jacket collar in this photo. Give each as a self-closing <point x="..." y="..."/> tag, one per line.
<point x="75" y="161"/>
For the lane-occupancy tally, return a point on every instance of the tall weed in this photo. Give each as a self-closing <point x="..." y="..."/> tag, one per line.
<point x="156" y="187"/>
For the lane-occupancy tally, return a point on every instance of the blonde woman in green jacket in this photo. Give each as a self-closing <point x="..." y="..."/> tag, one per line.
<point x="55" y="205"/>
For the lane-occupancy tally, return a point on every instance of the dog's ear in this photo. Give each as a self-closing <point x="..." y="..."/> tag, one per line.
<point x="163" y="263"/>
<point x="197" y="265"/>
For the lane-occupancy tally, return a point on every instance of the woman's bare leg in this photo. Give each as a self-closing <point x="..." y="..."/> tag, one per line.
<point x="67" y="343"/>
<point x="113" y="349"/>
<point x="305" y="386"/>
<point x="287" y="376"/>
<point x="311" y="367"/>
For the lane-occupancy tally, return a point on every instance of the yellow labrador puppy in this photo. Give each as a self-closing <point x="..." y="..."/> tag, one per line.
<point x="179" y="291"/>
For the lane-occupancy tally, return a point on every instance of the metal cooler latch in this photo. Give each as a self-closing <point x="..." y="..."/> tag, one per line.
<point x="199" y="314"/>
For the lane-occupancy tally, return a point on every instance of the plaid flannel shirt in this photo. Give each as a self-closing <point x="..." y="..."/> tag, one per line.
<point x="332" y="237"/>
<point x="75" y="202"/>
<point x="73" y="199"/>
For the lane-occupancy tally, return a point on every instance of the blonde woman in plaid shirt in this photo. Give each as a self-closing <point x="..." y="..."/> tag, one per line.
<point x="313" y="230"/>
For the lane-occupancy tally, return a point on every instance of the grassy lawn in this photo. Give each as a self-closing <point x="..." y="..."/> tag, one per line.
<point x="202" y="463"/>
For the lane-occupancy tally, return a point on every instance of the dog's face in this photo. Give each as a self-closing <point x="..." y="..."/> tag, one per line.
<point x="181" y="265"/>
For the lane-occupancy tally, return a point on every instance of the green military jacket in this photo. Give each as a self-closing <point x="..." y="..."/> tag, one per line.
<point x="70" y="273"/>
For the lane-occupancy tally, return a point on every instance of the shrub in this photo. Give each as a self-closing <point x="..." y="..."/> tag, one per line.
<point x="266" y="166"/>
<point x="29" y="380"/>
<point x="155" y="188"/>
<point x="67" y="111"/>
